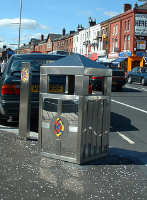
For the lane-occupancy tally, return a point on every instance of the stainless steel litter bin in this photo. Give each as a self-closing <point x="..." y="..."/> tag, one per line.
<point x="74" y="125"/>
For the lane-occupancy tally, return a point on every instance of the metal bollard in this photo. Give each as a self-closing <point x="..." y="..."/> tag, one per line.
<point x="25" y="101"/>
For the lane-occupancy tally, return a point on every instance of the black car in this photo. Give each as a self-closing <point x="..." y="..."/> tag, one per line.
<point x="118" y="77"/>
<point x="137" y="74"/>
<point x="11" y="78"/>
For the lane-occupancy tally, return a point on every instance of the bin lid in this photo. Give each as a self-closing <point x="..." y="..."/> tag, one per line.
<point x="76" y="64"/>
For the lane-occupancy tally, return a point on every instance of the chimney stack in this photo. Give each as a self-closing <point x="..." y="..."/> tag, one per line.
<point x="80" y="28"/>
<point x="127" y="7"/>
<point x="63" y="31"/>
<point x="42" y="37"/>
<point x="135" y="5"/>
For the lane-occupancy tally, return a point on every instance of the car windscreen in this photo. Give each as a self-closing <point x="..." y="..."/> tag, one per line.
<point x="144" y="70"/>
<point x="110" y="65"/>
<point x="35" y="62"/>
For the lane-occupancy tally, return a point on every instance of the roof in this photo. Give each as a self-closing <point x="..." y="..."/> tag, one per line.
<point x="53" y="36"/>
<point x="64" y="36"/>
<point x="42" y="42"/>
<point x="26" y="46"/>
<point x="35" y="41"/>
<point x="142" y="7"/>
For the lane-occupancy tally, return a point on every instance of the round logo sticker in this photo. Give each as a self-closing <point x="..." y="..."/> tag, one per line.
<point x="59" y="127"/>
<point x="25" y="75"/>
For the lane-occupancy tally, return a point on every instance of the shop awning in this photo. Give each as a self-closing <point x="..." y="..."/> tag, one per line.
<point x="109" y="60"/>
<point x="118" y="60"/>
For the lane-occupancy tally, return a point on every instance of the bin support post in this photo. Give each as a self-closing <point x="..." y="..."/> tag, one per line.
<point x="58" y="141"/>
<point x="25" y="101"/>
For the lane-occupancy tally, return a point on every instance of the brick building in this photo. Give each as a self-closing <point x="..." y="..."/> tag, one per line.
<point x="127" y="36"/>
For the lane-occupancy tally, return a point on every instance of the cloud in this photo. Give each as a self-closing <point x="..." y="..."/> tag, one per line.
<point x="99" y="8"/>
<point x="36" y="36"/>
<point x="25" y="24"/>
<point x="79" y="12"/>
<point x="110" y="13"/>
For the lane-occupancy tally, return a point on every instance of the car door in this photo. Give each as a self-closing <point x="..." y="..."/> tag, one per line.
<point x="134" y="74"/>
<point x="138" y="75"/>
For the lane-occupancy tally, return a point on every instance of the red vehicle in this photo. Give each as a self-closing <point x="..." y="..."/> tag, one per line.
<point x="36" y="52"/>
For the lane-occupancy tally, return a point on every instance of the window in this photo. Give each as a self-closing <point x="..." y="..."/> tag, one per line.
<point x="113" y="45"/>
<point x="106" y="31"/>
<point x="129" y="25"/>
<point x="125" y="42"/>
<point x="128" y="42"/>
<point x="94" y="34"/>
<point x="116" y="43"/>
<point x="49" y="44"/>
<point x="116" y="29"/>
<point x="103" y="31"/>
<point x="125" y="26"/>
<point x="113" y="30"/>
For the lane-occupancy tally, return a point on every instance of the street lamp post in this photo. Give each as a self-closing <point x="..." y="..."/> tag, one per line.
<point x="19" y="26"/>
<point x="88" y="36"/>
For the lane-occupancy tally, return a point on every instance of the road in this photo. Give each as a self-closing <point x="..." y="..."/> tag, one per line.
<point x="129" y="119"/>
<point x="128" y="131"/>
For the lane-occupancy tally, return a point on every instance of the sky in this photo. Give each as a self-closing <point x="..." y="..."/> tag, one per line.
<point x="51" y="16"/>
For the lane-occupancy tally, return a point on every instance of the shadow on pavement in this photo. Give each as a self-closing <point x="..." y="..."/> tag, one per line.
<point x="15" y="124"/>
<point x="121" y="123"/>
<point x="120" y="157"/>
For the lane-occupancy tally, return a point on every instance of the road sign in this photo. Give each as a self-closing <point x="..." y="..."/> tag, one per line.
<point x="10" y="52"/>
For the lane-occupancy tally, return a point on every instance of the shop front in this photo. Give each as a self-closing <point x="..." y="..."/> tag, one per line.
<point x="122" y="60"/>
<point x="111" y="57"/>
<point x="135" y="60"/>
<point x="101" y="55"/>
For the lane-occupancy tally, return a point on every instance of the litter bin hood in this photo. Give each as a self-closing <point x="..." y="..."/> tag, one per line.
<point x="76" y="64"/>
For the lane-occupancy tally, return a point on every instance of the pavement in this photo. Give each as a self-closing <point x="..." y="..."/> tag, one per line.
<point x="24" y="174"/>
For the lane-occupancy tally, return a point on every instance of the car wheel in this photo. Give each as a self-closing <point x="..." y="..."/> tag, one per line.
<point x="118" y="88"/>
<point x="129" y="80"/>
<point x="142" y="81"/>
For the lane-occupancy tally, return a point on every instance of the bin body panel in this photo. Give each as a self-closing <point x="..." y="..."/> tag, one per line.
<point x="68" y="109"/>
<point x="86" y="129"/>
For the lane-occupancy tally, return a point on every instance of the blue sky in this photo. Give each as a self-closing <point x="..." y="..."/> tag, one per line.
<point x="51" y="16"/>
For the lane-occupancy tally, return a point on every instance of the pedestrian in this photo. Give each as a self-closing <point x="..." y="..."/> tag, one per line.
<point x="3" y="64"/>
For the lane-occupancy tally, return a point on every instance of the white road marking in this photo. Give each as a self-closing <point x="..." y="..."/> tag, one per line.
<point x="129" y="106"/>
<point x="136" y="88"/>
<point x="126" y="138"/>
